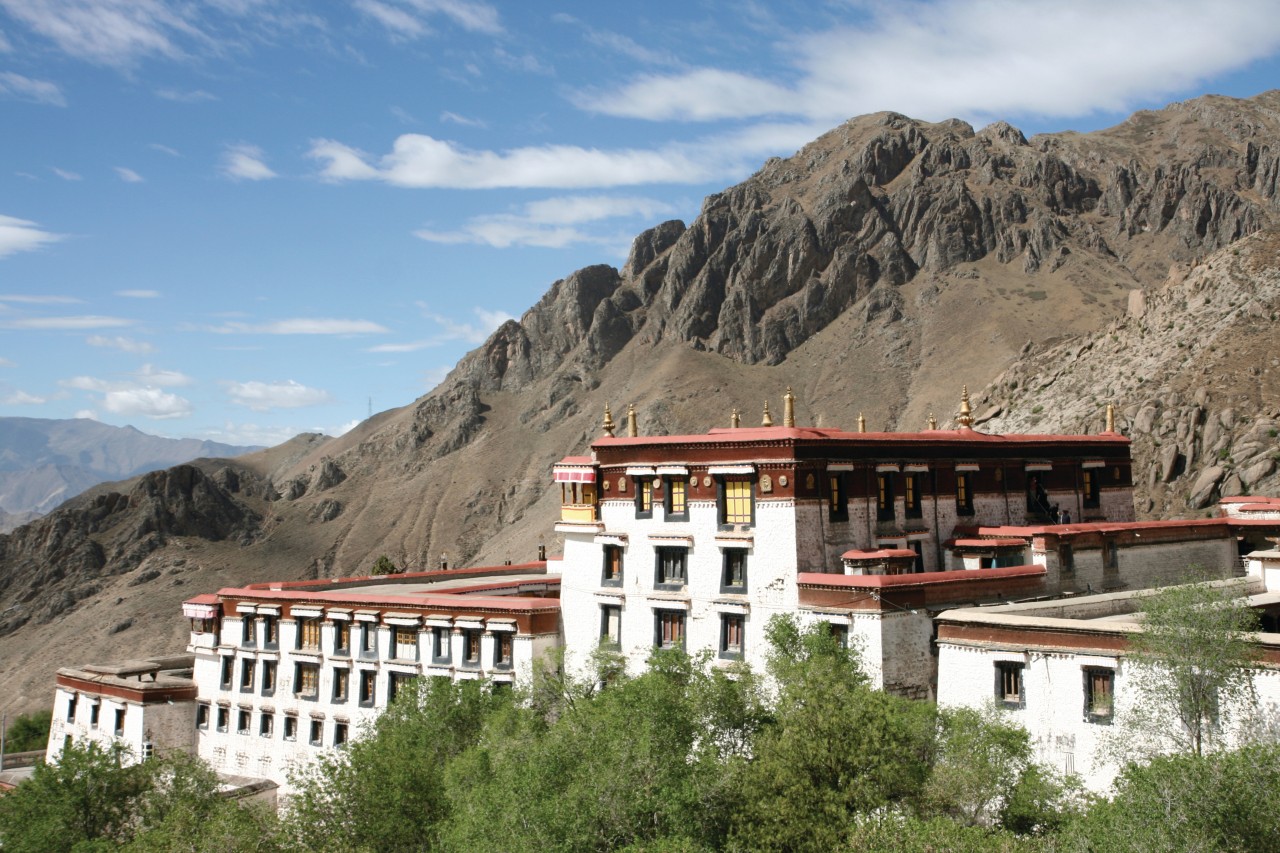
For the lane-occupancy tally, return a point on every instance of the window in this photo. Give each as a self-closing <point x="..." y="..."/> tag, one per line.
<point x="611" y="625"/>
<point x="440" y="644"/>
<point x="612" y="573"/>
<point x="224" y="719"/>
<point x="1089" y="486"/>
<point x="368" y="640"/>
<point x="503" y="649"/>
<point x="396" y="681"/>
<point x="228" y="672"/>
<point x="268" y="677"/>
<point x="911" y="496"/>
<point x="71" y="708"/>
<point x="242" y="722"/>
<point x="670" y="567"/>
<point x="342" y="638"/>
<point x="306" y="680"/>
<point x="471" y="647"/>
<point x="644" y="498"/>
<point x="1066" y="558"/>
<point x="341" y="685"/>
<point x="317" y="732"/>
<point x="266" y="724"/>
<point x="964" y="496"/>
<point x="290" y="727"/>
<point x="246" y="630"/>
<point x="917" y="546"/>
<point x="247" y="668"/>
<point x="368" y="687"/>
<point x="736" y="502"/>
<point x="1099" y="694"/>
<point x="840" y="633"/>
<point x="309" y="634"/>
<point x="118" y="728"/>
<point x="1009" y="684"/>
<point x="669" y="629"/>
<point x="837" y="498"/>
<point x="884" y="496"/>
<point x="339" y="734"/>
<point x="734" y="576"/>
<point x="677" y="499"/>
<point x="95" y="708"/>
<point x="731" y="630"/>
<point x="270" y="632"/>
<point x="404" y="641"/>
<point x="202" y="715"/>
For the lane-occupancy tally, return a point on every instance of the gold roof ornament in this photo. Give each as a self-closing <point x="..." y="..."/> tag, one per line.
<point x="767" y="420"/>
<point x="1111" y="417"/>
<point x="608" y="426"/>
<point x="933" y="422"/>
<point x="632" y="429"/>
<point x="965" y="416"/>
<point x="862" y="423"/>
<point x="735" y="420"/>
<point x="789" y="409"/>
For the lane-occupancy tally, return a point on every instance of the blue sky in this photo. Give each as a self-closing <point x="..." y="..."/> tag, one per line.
<point x="243" y="219"/>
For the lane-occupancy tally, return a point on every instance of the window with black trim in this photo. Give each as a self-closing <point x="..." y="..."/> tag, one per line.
<point x="733" y="576"/>
<point x="118" y="728"/>
<point x="397" y="681"/>
<point x="964" y="494"/>
<point x="341" y="685"/>
<point x="471" y="647"/>
<point x="246" y="630"/>
<point x="309" y="634"/>
<point x="736" y="500"/>
<point x="224" y="719"/>
<point x="243" y="718"/>
<point x="404" y="642"/>
<point x="247" y="668"/>
<point x="290" y="727"/>
<point x="95" y="711"/>
<point x="884" y="496"/>
<point x="1099" y="694"/>
<point x="71" y="707"/>
<point x="368" y="687"/>
<point x="342" y="638"/>
<point x="1009" y="684"/>
<point x="837" y="498"/>
<point x="669" y="629"/>
<point x="202" y="715"/>
<point x="270" y="632"/>
<point x="1089" y="485"/>
<point x="503" y="650"/>
<point x="228" y="672"/>
<point x="671" y="563"/>
<point x="732" y="626"/>
<point x="440" y="652"/>
<point x="266" y="724"/>
<point x="268" y="677"/>
<point x="339" y="734"/>
<point x="644" y="497"/>
<point x="840" y="633"/>
<point x="676" y="499"/>
<point x="611" y="574"/>
<point x="306" y="680"/>
<point x="911" y="496"/>
<point x="317" y="732"/>
<point x="611" y="625"/>
<point x="368" y="640"/>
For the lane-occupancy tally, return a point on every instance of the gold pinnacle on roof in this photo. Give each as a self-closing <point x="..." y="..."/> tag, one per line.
<point x="862" y="423"/>
<point x="632" y="429"/>
<point x="789" y="409"/>
<point x="1111" y="417"/>
<point x="767" y="420"/>
<point x="734" y="418"/>
<point x="933" y="422"/>
<point x="965" y="417"/>
<point x="608" y="425"/>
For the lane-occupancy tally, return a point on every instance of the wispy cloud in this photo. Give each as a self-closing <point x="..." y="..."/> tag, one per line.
<point x="190" y="96"/>
<point x="109" y="32"/>
<point x="265" y="396"/>
<point x="22" y="235"/>
<point x="129" y="176"/>
<point x="448" y="329"/>
<point x="245" y="162"/>
<point x="139" y="294"/>
<point x="66" y="174"/>
<point x="27" y="89"/>
<point x="121" y="343"/>
<point x="164" y="149"/>
<point x="408" y="19"/>
<point x="549" y="223"/>
<point x="4" y="362"/>
<point x="71" y="323"/>
<point x="147" y="402"/>
<point x="38" y="298"/>
<point x="22" y="398"/>
<point x="454" y="118"/>
<point x="304" y="326"/>
<point x="149" y="374"/>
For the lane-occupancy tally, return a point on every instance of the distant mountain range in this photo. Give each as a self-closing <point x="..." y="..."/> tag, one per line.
<point x="43" y="462"/>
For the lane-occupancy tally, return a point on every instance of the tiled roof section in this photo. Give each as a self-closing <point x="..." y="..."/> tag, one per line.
<point x="494" y="572"/>
<point x="759" y="434"/>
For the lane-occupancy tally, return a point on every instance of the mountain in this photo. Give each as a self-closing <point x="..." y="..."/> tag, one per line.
<point x="44" y="462"/>
<point x="876" y="271"/>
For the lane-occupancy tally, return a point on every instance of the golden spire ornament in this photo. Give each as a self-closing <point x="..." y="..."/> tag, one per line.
<point x="965" y="417"/>
<point x="933" y="422"/>
<point x="1111" y="417"/>
<point x="608" y="425"/>
<point x="632" y="429"/>
<point x="789" y="409"/>
<point x="862" y="423"/>
<point x="735" y="420"/>
<point x="767" y="420"/>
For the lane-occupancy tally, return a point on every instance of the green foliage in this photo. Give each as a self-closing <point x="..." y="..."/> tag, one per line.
<point x="899" y="834"/>
<point x="28" y="732"/>
<point x="384" y="566"/>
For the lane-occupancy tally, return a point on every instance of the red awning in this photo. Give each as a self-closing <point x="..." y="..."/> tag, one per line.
<point x="575" y="475"/>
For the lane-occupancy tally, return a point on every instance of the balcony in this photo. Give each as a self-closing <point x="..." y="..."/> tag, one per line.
<point x="579" y="513"/>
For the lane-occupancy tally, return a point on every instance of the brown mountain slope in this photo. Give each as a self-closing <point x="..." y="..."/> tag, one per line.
<point x="876" y="270"/>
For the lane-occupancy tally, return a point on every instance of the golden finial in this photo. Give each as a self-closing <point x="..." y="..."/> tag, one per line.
<point x="632" y="429"/>
<point x="789" y="409"/>
<point x="965" y="417"/>
<point x="734" y="418"/>
<point x="862" y="423"/>
<point x="608" y="425"/>
<point x="767" y="420"/>
<point x="1111" y="417"/>
<point x="933" y="422"/>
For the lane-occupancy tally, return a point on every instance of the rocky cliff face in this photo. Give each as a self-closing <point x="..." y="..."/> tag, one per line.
<point x="875" y="271"/>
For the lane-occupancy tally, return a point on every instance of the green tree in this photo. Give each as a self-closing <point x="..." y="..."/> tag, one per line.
<point x="28" y="732"/>
<point x="384" y="566"/>
<point x="1192" y="667"/>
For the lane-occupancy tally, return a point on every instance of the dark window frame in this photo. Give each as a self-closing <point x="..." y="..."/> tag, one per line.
<point x="729" y="556"/>
<point x="504" y="640"/>
<point x="472" y="640"/>
<point x="227" y="674"/>
<point x="270" y="632"/>
<point x="340" y="734"/>
<point x="732" y="624"/>
<point x="308" y="625"/>
<point x="644" y="497"/>
<point x="315" y="736"/>
<point x="368" y="688"/>
<point x="666" y="639"/>
<point x="441" y="644"/>
<point x="670" y="567"/>
<point x="266" y="724"/>
<point x="393" y="647"/>
<point x="290" y="732"/>
<point x="885" y="510"/>
<point x="244" y="721"/>
<point x="1099" y="704"/>
<point x="224" y="719"/>
<point x="1091" y="487"/>
<point x="270" y="671"/>
<point x="912" y="506"/>
<point x="964" y="493"/>
<point x="670" y="513"/>
<point x="723" y="499"/>
<point x="341" y="631"/>
<point x="248" y="631"/>
<point x="248" y="674"/>
<point x="202" y="715"/>
<point x="606" y="639"/>
<point x="1010" y="684"/>
<point x="117" y="727"/>
<point x="609" y="577"/>
<point x="837" y="496"/>
<point x="298" y="670"/>
<point x="341" y="685"/>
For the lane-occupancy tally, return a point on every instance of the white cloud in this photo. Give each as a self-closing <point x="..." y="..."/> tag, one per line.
<point x="27" y="89"/>
<point x="406" y="19"/>
<point x="148" y="402"/>
<point x="194" y="96"/>
<point x="89" y="383"/>
<point x="107" y="32"/>
<point x="22" y="235"/>
<point x="548" y="223"/>
<point x="121" y="343"/>
<point x="70" y="323"/>
<point x="264" y="396"/>
<point x="454" y="118"/>
<point x="129" y="176"/>
<point x="38" y="298"/>
<point x="65" y="175"/>
<point x="89" y="414"/>
<point x="5" y="47"/>
<point x="164" y="149"/>
<point x="139" y="294"/>
<point x="972" y="59"/>
<point x="151" y="375"/>
<point x="402" y="24"/>
<point x="305" y="326"/>
<point x="450" y="330"/>
<point x="245" y="162"/>
<point x="22" y="398"/>
<point x="4" y="362"/>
